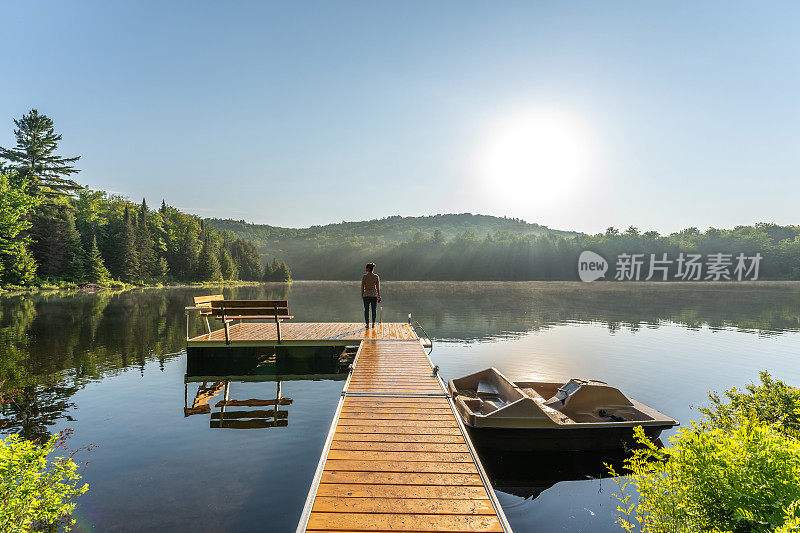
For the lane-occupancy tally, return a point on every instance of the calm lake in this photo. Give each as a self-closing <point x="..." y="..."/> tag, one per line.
<point x="113" y="367"/>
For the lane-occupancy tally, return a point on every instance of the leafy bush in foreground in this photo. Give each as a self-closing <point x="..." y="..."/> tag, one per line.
<point x="743" y="480"/>
<point x="738" y="470"/>
<point x="772" y="401"/>
<point x="36" y="493"/>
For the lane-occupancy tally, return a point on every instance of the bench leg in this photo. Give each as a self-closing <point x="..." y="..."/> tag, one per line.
<point x="278" y="328"/>
<point x="227" y="335"/>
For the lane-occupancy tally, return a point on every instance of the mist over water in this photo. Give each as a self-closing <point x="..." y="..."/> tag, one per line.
<point x="113" y="367"/>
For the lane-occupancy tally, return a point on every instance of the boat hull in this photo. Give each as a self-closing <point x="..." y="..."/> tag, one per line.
<point x="558" y="439"/>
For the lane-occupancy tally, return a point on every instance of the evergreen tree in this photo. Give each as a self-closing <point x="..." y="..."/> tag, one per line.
<point x="75" y="270"/>
<point x="95" y="269"/>
<point x="283" y="273"/>
<point x="46" y="174"/>
<point x="159" y="235"/>
<point x="147" y="260"/>
<point x="277" y="271"/>
<point x="245" y="255"/>
<point x="20" y="268"/>
<point x="187" y="253"/>
<point x="129" y="259"/>
<point x="160" y="268"/>
<point x="56" y="242"/>
<point x="226" y="265"/>
<point x="181" y="233"/>
<point x="268" y="272"/>
<point x="207" y="264"/>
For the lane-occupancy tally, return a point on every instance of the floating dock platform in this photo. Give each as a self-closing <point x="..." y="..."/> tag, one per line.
<point x="397" y="456"/>
<point x="302" y="334"/>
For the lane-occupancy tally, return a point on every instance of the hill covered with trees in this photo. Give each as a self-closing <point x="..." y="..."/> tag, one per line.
<point x="334" y="250"/>
<point x="380" y="232"/>
<point x="478" y="247"/>
<point x="54" y="230"/>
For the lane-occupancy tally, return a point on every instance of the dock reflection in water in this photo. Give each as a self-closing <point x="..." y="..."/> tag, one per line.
<point x="215" y="372"/>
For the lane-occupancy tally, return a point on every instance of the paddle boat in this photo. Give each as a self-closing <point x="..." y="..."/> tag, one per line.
<point x="577" y="415"/>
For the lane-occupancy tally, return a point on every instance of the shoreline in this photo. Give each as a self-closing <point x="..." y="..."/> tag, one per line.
<point x="98" y="288"/>
<point x="117" y="287"/>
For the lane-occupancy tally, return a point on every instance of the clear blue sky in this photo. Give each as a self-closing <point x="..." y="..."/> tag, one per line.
<point x="677" y="113"/>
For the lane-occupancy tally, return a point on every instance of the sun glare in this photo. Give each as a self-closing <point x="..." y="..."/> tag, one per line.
<point x="540" y="151"/>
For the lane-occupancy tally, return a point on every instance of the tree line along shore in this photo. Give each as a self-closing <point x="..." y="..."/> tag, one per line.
<point x="54" y="232"/>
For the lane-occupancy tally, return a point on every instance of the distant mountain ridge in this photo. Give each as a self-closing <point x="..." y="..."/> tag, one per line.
<point x="379" y="232"/>
<point x="339" y="251"/>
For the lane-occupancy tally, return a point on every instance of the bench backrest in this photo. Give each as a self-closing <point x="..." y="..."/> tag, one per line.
<point x="265" y="308"/>
<point x="205" y="302"/>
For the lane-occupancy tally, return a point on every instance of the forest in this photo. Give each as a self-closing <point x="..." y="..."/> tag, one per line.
<point x="431" y="248"/>
<point x="54" y="231"/>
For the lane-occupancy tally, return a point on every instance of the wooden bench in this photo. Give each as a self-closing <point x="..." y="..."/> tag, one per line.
<point x="203" y="304"/>
<point x="228" y="310"/>
<point x="218" y="307"/>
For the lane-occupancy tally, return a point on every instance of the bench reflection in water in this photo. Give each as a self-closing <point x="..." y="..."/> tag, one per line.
<point x="216" y="372"/>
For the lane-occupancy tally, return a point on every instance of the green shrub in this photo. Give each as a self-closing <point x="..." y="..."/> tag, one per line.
<point x="36" y="492"/>
<point x="772" y="401"/>
<point x="711" y="479"/>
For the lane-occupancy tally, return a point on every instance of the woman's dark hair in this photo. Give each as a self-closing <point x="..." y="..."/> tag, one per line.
<point x="370" y="266"/>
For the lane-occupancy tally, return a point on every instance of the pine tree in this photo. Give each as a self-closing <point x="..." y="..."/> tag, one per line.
<point x="161" y="268"/>
<point x="186" y="255"/>
<point x="95" y="269"/>
<point x="268" y="272"/>
<point x="75" y="270"/>
<point x="245" y="255"/>
<point x="277" y="271"/>
<point x="283" y="273"/>
<point x="20" y="268"/>
<point x="128" y="257"/>
<point x="207" y="264"/>
<point x="148" y="262"/>
<point x="45" y="173"/>
<point x="226" y="265"/>
<point x="56" y="242"/>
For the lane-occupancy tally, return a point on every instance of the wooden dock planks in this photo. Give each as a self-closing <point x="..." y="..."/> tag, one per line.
<point x="397" y="458"/>
<point x="253" y="333"/>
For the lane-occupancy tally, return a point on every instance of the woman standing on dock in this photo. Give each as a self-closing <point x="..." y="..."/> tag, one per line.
<point x="370" y="293"/>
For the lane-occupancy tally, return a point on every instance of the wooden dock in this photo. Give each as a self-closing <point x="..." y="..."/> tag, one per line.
<point x="397" y="457"/>
<point x="303" y="334"/>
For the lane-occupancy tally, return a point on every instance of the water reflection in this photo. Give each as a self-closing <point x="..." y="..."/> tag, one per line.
<point x="53" y="345"/>
<point x="527" y="475"/>
<point x="237" y="419"/>
<point x="216" y="370"/>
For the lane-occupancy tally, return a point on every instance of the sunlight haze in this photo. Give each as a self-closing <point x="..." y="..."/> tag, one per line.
<point x="657" y="116"/>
